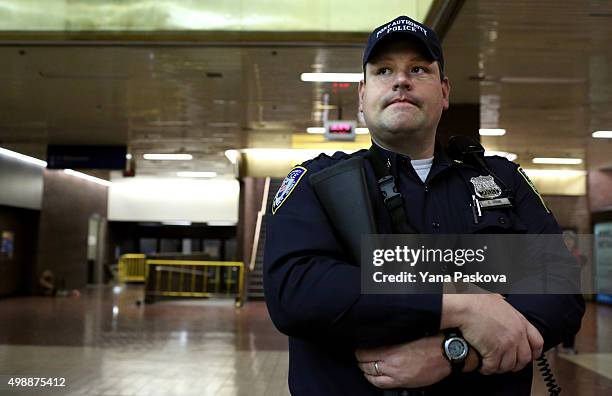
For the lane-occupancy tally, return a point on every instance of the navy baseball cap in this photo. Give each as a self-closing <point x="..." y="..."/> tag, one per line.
<point x="408" y="27"/>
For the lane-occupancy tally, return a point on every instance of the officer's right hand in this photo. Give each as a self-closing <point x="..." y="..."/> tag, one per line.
<point x="503" y="336"/>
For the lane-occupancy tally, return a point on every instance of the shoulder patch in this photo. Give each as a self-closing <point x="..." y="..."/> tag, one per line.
<point x="533" y="187"/>
<point x="290" y="182"/>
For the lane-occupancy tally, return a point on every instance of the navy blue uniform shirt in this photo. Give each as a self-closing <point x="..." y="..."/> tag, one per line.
<point x="313" y="290"/>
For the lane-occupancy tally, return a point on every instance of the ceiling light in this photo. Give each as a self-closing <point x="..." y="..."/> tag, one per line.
<point x="505" y="154"/>
<point x="557" y="161"/>
<point x="87" y="177"/>
<point x="554" y="172"/>
<point x="331" y="77"/>
<point x="491" y="132"/>
<point x="541" y="80"/>
<point x="321" y="130"/>
<point x="602" y="134"/>
<point x="288" y="154"/>
<point x="168" y="157"/>
<point x="22" y="157"/>
<point x="128" y="156"/>
<point x="177" y="223"/>
<point x="221" y="223"/>
<point x="196" y="174"/>
<point x="315" y="130"/>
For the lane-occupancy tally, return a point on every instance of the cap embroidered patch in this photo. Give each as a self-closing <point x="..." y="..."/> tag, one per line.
<point x="533" y="187"/>
<point x="292" y="179"/>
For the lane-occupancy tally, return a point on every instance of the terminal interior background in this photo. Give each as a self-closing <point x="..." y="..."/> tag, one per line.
<point x="218" y="85"/>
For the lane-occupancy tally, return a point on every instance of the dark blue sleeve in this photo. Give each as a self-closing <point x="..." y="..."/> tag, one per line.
<point x="314" y="292"/>
<point x="554" y="315"/>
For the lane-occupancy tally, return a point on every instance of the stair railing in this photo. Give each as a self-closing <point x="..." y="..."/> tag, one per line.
<point x="260" y="215"/>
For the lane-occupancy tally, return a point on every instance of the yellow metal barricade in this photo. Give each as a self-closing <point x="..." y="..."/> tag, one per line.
<point x="185" y="278"/>
<point x="132" y="268"/>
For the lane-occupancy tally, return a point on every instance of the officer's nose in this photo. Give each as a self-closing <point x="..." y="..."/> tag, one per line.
<point x="402" y="81"/>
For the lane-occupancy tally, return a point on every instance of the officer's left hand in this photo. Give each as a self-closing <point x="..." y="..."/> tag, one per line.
<point x="411" y="365"/>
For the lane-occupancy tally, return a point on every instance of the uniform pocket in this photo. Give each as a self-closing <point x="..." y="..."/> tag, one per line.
<point x="498" y="222"/>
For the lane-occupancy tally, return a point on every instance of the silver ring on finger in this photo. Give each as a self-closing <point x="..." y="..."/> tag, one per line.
<point x="376" y="369"/>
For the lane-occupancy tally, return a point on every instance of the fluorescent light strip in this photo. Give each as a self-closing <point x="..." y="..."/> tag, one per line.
<point x="315" y="130"/>
<point x="221" y="223"/>
<point x="281" y="154"/>
<point x="22" y="157"/>
<point x="177" y="223"/>
<point x="196" y="174"/>
<point x="168" y="157"/>
<point x="557" y="161"/>
<point x="491" y="132"/>
<point x="331" y="77"/>
<point x="602" y="134"/>
<point x="554" y="172"/>
<point x="505" y="154"/>
<point x="321" y="130"/>
<point x="87" y="177"/>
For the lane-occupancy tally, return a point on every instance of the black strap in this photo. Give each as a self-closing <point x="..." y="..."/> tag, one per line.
<point x="391" y="196"/>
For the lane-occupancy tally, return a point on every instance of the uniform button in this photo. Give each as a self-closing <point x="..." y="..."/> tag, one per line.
<point x="426" y="188"/>
<point x="435" y="224"/>
<point x="501" y="220"/>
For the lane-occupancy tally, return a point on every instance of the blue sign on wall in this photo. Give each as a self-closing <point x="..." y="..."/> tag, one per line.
<point x="7" y="244"/>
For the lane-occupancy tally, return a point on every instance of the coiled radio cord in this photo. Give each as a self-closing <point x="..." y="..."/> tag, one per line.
<point x="549" y="378"/>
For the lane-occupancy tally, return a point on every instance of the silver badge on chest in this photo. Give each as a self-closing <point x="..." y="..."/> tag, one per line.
<point x="485" y="187"/>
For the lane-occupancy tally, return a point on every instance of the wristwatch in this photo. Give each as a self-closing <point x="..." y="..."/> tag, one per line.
<point x="455" y="349"/>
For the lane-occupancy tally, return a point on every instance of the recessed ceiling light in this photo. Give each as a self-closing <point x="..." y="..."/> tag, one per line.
<point x="320" y="130"/>
<point x="196" y="174"/>
<point x="602" y="134"/>
<point x="168" y="157"/>
<point x="557" y="161"/>
<point x="23" y="157"/>
<point x="177" y="223"/>
<point x="287" y="154"/>
<point x="315" y="130"/>
<point x="491" y="132"/>
<point x="87" y="177"/>
<point x="221" y="223"/>
<point x="331" y="77"/>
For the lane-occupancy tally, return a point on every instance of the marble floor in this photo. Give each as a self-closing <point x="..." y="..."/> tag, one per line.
<point x="105" y="343"/>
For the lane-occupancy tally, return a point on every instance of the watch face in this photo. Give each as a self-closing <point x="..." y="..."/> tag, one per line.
<point x="456" y="348"/>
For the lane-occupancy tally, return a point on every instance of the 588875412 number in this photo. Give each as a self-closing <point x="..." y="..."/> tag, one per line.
<point x="35" y="382"/>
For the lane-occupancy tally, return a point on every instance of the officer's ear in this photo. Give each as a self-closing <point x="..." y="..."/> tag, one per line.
<point x="445" y="92"/>
<point x="361" y="91"/>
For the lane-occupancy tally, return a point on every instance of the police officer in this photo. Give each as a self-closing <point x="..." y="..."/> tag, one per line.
<point x="342" y="342"/>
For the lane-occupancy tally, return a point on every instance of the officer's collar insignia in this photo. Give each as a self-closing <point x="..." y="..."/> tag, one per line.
<point x="292" y="180"/>
<point x="485" y="187"/>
